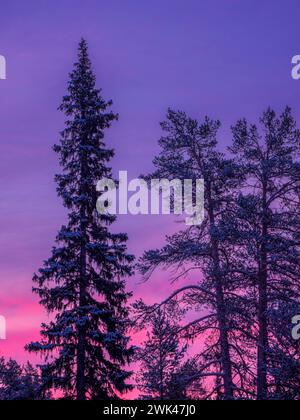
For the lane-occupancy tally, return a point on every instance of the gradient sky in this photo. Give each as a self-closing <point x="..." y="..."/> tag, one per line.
<point x="223" y="58"/>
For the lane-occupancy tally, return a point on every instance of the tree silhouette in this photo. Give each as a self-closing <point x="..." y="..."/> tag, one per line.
<point x="82" y="284"/>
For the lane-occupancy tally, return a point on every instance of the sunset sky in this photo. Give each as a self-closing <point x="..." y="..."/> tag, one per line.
<point x="226" y="59"/>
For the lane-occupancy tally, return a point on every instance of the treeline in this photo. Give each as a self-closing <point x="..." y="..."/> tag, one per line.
<point x="246" y="254"/>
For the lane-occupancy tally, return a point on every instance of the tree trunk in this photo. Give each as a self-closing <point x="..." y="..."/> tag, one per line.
<point x="262" y="390"/>
<point x="221" y="310"/>
<point x="81" y="346"/>
<point x="225" y="351"/>
<point x="161" y="371"/>
<point x="80" y="377"/>
<point x="262" y="341"/>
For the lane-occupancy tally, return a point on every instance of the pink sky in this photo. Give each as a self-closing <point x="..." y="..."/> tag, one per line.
<point x="225" y="59"/>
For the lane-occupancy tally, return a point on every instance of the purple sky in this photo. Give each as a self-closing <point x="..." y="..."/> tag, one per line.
<point x="226" y="59"/>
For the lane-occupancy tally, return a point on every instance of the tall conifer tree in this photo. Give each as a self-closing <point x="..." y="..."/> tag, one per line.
<point x="189" y="151"/>
<point x="82" y="284"/>
<point x="269" y="227"/>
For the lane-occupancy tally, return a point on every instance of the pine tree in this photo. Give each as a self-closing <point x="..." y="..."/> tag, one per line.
<point x="82" y="284"/>
<point x="189" y="151"/>
<point x="160" y="355"/>
<point x="269" y="226"/>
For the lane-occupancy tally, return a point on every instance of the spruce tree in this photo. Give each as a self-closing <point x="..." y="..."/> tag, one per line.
<point x="82" y="284"/>
<point x="20" y="382"/>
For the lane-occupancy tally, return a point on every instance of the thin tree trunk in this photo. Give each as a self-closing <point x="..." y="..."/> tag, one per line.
<point x="80" y="379"/>
<point x="161" y="373"/>
<point x="221" y="310"/>
<point x="225" y="351"/>
<point x="262" y="389"/>
<point x="81" y="347"/>
<point x="262" y="341"/>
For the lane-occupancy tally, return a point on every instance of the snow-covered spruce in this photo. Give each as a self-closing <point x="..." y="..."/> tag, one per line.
<point x="82" y="284"/>
<point x="21" y="382"/>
